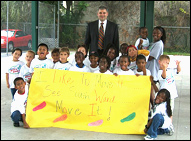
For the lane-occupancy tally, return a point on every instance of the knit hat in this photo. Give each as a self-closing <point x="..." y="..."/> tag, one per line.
<point x="131" y="46"/>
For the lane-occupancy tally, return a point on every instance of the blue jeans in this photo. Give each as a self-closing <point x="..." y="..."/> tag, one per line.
<point x="13" y="90"/>
<point x="154" y="130"/>
<point x="16" y="116"/>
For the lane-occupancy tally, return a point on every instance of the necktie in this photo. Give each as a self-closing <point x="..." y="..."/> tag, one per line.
<point x="101" y="36"/>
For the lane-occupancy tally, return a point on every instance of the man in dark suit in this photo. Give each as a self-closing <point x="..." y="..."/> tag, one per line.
<point x="110" y="33"/>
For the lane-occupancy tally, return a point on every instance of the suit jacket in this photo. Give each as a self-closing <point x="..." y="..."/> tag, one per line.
<point x="92" y="36"/>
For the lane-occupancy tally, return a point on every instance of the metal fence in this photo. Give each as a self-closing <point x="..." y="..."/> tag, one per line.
<point x="178" y="38"/>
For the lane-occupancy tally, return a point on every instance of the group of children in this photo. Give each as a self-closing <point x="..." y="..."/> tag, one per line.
<point x="143" y="58"/>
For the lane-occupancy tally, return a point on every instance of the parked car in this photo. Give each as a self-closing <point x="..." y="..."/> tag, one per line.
<point x="16" y="38"/>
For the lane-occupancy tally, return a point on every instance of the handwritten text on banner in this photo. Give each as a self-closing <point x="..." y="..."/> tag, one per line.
<point x="88" y="101"/>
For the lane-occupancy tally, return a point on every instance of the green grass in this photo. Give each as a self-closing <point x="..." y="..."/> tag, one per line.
<point x="176" y="53"/>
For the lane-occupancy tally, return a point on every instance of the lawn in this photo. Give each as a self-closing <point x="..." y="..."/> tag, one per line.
<point x="176" y="53"/>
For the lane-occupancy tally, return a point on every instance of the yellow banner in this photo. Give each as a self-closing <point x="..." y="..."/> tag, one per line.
<point x="88" y="101"/>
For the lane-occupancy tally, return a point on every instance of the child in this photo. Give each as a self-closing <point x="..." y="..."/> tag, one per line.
<point x="111" y="52"/>
<point x="156" y="50"/>
<point x="141" y="70"/>
<point x="13" y="69"/>
<point x="166" y="78"/>
<point x="79" y="66"/>
<point x="55" y="55"/>
<point x="160" y="122"/>
<point x="143" y="41"/>
<point x="94" y="57"/>
<point x="141" y="66"/>
<point x="18" y="105"/>
<point x="123" y="51"/>
<point x="42" y="61"/>
<point x="132" y="53"/>
<point x="124" y="62"/>
<point x="82" y="48"/>
<point x="104" y="63"/>
<point x="63" y="64"/>
<point x="24" y="72"/>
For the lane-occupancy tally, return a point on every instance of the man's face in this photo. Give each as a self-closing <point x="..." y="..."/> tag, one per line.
<point x="102" y="14"/>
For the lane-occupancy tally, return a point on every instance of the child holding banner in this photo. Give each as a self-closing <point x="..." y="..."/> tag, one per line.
<point x="63" y="64"/>
<point x="82" y="48"/>
<point x="122" y="49"/>
<point x="111" y="52"/>
<point x="104" y="64"/>
<point x="124" y="62"/>
<point x="160" y="122"/>
<point x="18" y="104"/>
<point x="79" y="66"/>
<point x="42" y="61"/>
<point x="94" y="57"/>
<point x="141" y="70"/>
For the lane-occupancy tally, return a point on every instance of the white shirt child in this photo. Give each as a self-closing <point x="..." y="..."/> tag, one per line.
<point x="13" y="70"/>
<point x="19" y="101"/>
<point x="62" y="66"/>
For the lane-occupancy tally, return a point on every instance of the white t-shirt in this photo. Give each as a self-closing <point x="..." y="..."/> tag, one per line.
<point x="161" y="109"/>
<point x="76" y="68"/>
<point x="148" y="73"/>
<point x="156" y="50"/>
<point x="145" y="43"/>
<point x="169" y="82"/>
<point x="107" y="72"/>
<point x="13" y="70"/>
<point x="119" y="71"/>
<point x="36" y="63"/>
<point x="93" y="69"/>
<point x="62" y="66"/>
<point x="24" y="73"/>
<point x="117" y="62"/>
<point x="132" y="66"/>
<point x="112" y="66"/>
<point x="19" y="101"/>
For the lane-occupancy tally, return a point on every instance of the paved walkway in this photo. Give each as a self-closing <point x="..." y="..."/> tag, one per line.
<point x="181" y="118"/>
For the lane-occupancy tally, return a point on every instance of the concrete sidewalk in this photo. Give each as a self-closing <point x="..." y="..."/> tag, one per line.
<point x="181" y="117"/>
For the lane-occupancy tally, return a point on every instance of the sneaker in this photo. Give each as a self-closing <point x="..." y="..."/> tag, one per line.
<point x="171" y="130"/>
<point x="147" y="137"/>
<point x="16" y="124"/>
